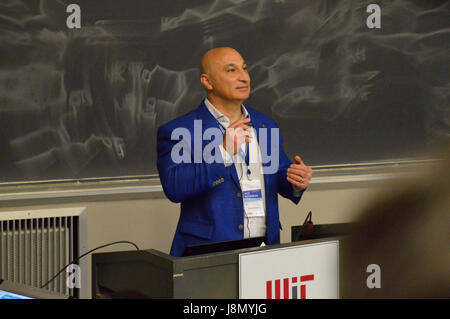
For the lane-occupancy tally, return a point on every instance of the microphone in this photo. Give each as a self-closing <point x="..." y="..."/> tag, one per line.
<point x="307" y="228"/>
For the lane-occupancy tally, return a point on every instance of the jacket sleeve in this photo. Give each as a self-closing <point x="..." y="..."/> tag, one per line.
<point x="285" y="188"/>
<point x="181" y="181"/>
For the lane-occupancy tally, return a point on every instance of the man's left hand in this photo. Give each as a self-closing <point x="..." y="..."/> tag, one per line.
<point x="299" y="174"/>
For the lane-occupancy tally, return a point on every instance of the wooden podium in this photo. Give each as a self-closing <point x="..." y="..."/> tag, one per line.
<point x="153" y="274"/>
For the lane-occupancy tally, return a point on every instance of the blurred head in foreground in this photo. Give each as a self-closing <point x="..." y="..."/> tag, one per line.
<point x="404" y="235"/>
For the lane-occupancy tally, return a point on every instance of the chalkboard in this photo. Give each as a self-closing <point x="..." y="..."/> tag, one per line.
<point x="86" y="102"/>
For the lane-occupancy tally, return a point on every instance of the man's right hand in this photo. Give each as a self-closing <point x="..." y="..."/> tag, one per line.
<point x="236" y="134"/>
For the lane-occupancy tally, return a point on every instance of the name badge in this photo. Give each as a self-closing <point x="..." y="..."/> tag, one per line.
<point x="252" y="198"/>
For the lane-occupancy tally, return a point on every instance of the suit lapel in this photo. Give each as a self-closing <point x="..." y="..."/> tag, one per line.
<point x="209" y="121"/>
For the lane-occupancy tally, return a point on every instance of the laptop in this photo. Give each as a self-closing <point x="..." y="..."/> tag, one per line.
<point x="10" y="290"/>
<point x="223" y="246"/>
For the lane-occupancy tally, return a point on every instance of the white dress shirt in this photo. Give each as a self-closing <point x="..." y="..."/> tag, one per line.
<point x="253" y="226"/>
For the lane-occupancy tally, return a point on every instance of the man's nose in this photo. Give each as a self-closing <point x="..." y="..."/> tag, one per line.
<point x="244" y="76"/>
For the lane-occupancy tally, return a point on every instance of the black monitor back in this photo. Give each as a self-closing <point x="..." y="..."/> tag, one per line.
<point x="223" y="246"/>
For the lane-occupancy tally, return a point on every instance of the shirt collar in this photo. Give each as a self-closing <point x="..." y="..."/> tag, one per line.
<point x="219" y="116"/>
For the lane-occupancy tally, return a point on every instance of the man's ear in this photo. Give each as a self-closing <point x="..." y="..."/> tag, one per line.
<point x="206" y="82"/>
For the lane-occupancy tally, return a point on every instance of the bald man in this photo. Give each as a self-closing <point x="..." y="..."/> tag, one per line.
<point x="215" y="161"/>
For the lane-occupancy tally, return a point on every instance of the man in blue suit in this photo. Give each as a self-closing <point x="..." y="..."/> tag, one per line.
<point x="224" y="162"/>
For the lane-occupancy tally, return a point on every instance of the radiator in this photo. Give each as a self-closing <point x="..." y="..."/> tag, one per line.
<point x="36" y="244"/>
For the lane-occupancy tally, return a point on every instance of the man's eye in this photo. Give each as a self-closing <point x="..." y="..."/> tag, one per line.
<point x="231" y="70"/>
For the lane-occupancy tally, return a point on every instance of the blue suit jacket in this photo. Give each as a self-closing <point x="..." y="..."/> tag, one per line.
<point x="210" y="194"/>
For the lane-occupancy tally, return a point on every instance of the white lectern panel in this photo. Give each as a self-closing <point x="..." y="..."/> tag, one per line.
<point x="307" y="271"/>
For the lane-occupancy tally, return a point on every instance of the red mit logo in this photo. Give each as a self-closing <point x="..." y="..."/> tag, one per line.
<point x="290" y="287"/>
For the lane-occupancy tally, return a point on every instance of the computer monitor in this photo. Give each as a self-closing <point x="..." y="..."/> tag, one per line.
<point x="223" y="246"/>
<point x="319" y="231"/>
<point x="10" y="290"/>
